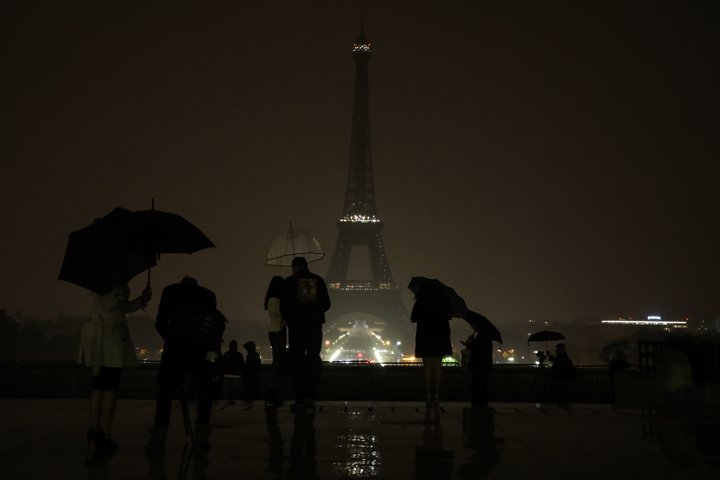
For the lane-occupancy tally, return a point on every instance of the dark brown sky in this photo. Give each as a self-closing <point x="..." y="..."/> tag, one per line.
<point x="547" y="159"/>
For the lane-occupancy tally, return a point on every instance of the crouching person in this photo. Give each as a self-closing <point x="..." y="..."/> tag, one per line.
<point x="192" y="329"/>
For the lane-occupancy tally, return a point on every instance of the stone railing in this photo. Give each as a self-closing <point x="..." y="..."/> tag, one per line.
<point x="508" y="383"/>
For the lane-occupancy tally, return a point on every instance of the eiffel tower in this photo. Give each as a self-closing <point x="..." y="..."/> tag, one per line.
<point x="367" y="297"/>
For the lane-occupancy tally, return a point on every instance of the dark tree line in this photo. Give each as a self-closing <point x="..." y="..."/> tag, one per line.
<point x="27" y="342"/>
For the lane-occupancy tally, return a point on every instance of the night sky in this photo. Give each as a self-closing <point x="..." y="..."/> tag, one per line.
<point x="550" y="160"/>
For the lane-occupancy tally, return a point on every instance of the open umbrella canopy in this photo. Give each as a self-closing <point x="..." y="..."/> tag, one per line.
<point x="293" y="243"/>
<point x="99" y="256"/>
<point x="165" y="232"/>
<point x="122" y="244"/>
<point x="482" y="325"/>
<point x="545" y="336"/>
<point x="444" y="298"/>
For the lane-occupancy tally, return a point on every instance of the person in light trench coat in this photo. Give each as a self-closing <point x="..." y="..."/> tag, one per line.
<point x="106" y="346"/>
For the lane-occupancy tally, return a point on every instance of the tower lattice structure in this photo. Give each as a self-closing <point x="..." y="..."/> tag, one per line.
<point x="375" y="300"/>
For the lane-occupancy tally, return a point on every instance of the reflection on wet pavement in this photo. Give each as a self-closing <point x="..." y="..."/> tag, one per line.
<point x="354" y="440"/>
<point x="356" y="453"/>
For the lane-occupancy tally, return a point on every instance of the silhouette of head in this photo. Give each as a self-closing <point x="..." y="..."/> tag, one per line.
<point x="249" y="346"/>
<point x="299" y="264"/>
<point x="232" y="345"/>
<point x="188" y="280"/>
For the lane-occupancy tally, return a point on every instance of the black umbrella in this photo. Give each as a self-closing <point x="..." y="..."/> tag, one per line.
<point x="482" y="325"/>
<point x="165" y="232"/>
<point x="115" y="248"/>
<point x="99" y="257"/>
<point x="440" y="295"/>
<point x="545" y="336"/>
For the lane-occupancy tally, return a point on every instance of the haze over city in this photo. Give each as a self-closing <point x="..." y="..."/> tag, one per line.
<point x="550" y="160"/>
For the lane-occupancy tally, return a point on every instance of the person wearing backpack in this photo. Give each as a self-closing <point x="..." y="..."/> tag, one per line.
<point x="192" y="329"/>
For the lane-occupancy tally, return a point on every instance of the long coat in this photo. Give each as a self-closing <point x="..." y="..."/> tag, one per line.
<point x="432" y="337"/>
<point x="105" y="337"/>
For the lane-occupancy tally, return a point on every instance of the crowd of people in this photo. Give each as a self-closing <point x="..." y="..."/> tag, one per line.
<point x="192" y="329"/>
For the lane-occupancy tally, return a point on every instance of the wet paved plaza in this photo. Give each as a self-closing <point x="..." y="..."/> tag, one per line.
<point x="45" y="439"/>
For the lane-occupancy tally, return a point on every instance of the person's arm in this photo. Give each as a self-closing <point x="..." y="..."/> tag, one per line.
<point x="139" y="302"/>
<point x="273" y="311"/>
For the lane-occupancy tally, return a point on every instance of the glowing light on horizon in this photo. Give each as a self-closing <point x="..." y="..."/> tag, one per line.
<point x="622" y="321"/>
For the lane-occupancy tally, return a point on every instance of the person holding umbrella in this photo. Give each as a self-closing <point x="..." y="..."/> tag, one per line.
<point x="304" y="301"/>
<point x="563" y="372"/>
<point x="106" y="346"/>
<point x="432" y="342"/>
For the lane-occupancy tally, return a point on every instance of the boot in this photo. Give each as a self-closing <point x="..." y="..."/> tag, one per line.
<point x="202" y="437"/>
<point x="156" y="443"/>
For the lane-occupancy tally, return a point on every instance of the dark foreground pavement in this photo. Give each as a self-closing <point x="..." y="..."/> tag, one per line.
<point x="45" y="439"/>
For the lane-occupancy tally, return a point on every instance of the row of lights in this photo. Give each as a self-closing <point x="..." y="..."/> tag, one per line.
<point x="360" y="219"/>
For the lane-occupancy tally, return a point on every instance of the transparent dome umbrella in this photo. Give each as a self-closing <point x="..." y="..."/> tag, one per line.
<point x="295" y="242"/>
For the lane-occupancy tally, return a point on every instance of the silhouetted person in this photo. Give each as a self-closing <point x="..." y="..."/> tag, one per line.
<point x="432" y="343"/>
<point x="542" y="358"/>
<point x="192" y="329"/>
<point x="251" y="375"/>
<point x="106" y="346"/>
<point x="563" y="373"/>
<point x="304" y="303"/>
<point x="233" y="364"/>
<point x="277" y="334"/>
<point x="481" y="364"/>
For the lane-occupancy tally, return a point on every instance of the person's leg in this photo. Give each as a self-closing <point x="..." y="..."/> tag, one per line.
<point x="205" y="392"/>
<point x="437" y="378"/>
<point x="428" y="372"/>
<point x="314" y="366"/>
<point x="277" y="343"/>
<point x="170" y="375"/>
<point x="108" y="399"/>
<point x="297" y="353"/>
<point x="95" y="398"/>
<point x="433" y="369"/>
<point x="107" y="410"/>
